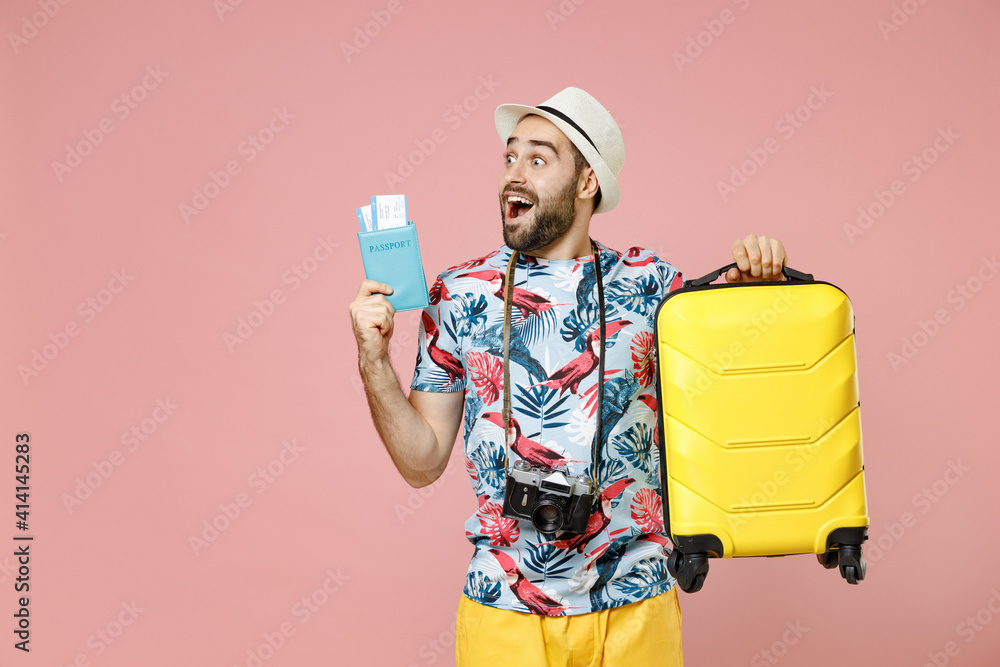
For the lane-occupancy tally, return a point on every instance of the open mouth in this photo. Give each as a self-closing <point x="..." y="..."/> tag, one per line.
<point x="517" y="205"/>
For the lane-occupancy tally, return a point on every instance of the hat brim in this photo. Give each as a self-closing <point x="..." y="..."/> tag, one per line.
<point x="507" y="117"/>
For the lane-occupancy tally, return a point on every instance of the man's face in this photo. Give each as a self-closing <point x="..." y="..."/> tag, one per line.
<point x="538" y="185"/>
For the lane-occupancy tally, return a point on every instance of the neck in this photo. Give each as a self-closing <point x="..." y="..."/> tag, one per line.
<point x="573" y="244"/>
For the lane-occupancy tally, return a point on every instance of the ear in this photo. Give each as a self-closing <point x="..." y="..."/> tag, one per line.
<point x="586" y="187"/>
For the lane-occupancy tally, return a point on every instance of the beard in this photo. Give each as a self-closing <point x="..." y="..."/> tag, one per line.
<point x="552" y="219"/>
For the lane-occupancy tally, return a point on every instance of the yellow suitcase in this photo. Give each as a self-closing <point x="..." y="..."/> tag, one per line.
<point x="760" y="435"/>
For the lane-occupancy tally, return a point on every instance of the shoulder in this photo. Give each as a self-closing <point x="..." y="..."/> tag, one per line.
<point x="638" y="261"/>
<point x="488" y="261"/>
<point x="473" y="268"/>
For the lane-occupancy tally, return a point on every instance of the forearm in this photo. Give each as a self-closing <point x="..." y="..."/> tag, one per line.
<point x="408" y="437"/>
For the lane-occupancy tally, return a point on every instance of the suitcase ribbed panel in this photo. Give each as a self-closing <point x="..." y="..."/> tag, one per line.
<point x="761" y="423"/>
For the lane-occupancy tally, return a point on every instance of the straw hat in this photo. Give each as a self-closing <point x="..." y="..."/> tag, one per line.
<point x="588" y="125"/>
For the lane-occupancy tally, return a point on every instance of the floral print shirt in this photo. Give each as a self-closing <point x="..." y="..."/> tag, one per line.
<point x="621" y="557"/>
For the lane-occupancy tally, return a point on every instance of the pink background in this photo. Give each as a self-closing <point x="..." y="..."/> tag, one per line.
<point x="336" y="505"/>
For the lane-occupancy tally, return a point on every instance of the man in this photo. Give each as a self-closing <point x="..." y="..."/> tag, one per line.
<point x="601" y="594"/>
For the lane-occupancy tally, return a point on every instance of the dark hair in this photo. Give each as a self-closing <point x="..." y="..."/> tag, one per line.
<point x="579" y="162"/>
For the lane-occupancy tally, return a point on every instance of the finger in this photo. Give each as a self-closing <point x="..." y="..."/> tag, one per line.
<point x="373" y="317"/>
<point x="375" y="303"/>
<point x="778" y="257"/>
<point x="753" y="253"/>
<point x="764" y="243"/>
<point x="383" y="305"/>
<point x="733" y="276"/>
<point x="740" y="256"/>
<point x="370" y="287"/>
<point x="390" y="309"/>
<point x="370" y="306"/>
<point x="385" y="323"/>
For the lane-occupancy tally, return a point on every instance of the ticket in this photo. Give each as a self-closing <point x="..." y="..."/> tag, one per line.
<point x="388" y="211"/>
<point x="365" y="218"/>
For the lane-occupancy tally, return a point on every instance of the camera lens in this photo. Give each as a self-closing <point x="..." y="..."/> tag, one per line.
<point x="548" y="513"/>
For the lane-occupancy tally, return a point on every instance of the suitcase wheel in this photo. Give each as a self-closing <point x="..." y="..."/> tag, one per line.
<point x="852" y="563"/>
<point x="690" y="570"/>
<point x="830" y="559"/>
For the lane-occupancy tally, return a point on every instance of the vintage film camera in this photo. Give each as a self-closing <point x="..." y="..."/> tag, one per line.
<point x="552" y="500"/>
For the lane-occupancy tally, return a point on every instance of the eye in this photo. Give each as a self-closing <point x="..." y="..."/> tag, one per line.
<point x="509" y="159"/>
<point x="538" y="162"/>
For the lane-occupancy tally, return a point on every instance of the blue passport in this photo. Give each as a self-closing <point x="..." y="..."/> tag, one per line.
<point x="392" y="256"/>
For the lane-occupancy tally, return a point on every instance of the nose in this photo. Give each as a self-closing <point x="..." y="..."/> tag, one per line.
<point x="514" y="173"/>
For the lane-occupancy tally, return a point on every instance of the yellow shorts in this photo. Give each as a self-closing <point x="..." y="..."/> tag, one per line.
<point x="642" y="633"/>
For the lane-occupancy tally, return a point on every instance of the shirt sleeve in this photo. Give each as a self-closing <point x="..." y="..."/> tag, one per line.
<point x="672" y="278"/>
<point x="676" y="282"/>
<point x="440" y="365"/>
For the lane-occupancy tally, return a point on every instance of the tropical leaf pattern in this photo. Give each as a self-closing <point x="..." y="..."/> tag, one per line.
<point x="610" y="471"/>
<point x="644" y="358"/>
<point x="470" y="313"/>
<point x="473" y="407"/>
<point x="436" y="291"/>
<point x="487" y="375"/>
<point x="646" y="575"/>
<point x="639" y="294"/>
<point x="502" y="531"/>
<point x="481" y="589"/>
<point x="532" y="329"/>
<point x="647" y="511"/>
<point x="488" y="459"/>
<point x="538" y="401"/>
<point x="581" y="428"/>
<point x="634" y="445"/>
<point x="579" y="324"/>
<point x="547" y="559"/>
<point x="556" y="309"/>
<point x="470" y="468"/>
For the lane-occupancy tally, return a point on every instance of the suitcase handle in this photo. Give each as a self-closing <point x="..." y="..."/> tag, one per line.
<point x="791" y="273"/>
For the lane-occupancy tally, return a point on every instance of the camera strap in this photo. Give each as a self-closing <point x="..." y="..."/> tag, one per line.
<point x="595" y="451"/>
